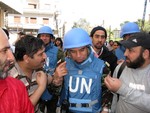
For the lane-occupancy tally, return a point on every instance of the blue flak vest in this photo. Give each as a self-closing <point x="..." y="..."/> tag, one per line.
<point x="51" y="63"/>
<point x="82" y="85"/>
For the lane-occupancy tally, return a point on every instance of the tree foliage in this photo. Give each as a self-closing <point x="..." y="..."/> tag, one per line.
<point x="82" y="23"/>
<point x="145" y="28"/>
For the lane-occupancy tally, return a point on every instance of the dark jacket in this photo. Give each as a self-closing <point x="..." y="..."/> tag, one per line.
<point x="109" y="57"/>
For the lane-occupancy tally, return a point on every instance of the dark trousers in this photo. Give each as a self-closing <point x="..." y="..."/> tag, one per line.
<point x="51" y="105"/>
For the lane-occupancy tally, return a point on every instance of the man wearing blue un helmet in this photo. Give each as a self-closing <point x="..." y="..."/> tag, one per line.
<point x="127" y="30"/>
<point x="50" y="96"/>
<point x="81" y="91"/>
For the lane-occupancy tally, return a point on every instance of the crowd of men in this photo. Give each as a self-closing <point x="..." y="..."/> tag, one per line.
<point x="77" y="75"/>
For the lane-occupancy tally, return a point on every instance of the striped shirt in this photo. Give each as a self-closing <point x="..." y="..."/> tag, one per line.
<point x="30" y="84"/>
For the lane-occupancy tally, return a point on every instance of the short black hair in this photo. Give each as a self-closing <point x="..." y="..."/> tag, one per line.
<point x="28" y="45"/>
<point x="98" y="28"/>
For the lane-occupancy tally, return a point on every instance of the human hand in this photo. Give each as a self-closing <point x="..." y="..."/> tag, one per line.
<point x="41" y="79"/>
<point x="105" y="110"/>
<point x="61" y="70"/>
<point x="112" y="84"/>
<point x="57" y="81"/>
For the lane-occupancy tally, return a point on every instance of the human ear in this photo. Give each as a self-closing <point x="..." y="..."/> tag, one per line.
<point x="146" y="54"/>
<point x="25" y="58"/>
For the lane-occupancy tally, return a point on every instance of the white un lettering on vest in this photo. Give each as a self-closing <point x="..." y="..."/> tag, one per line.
<point x="80" y="84"/>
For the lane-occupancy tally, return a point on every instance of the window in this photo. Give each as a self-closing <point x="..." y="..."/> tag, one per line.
<point x="45" y="20"/>
<point x="33" y="20"/>
<point x="17" y="19"/>
<point x="32" y="6"/>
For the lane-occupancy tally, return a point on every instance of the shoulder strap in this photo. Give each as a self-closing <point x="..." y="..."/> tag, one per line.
<point x="119" y="73"/>
<point x="121" y="69"/>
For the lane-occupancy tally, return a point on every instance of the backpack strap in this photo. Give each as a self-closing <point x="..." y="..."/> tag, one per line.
<point x="119" y="73"/>
<point x="121" y="69"/>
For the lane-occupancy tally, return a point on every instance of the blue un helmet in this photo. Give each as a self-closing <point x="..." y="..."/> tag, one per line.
<point x="129" y="28"/>
<point x="75" y="38"/>
<point x="45" y="30"/>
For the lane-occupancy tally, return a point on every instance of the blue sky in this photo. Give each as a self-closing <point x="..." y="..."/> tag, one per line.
<point x="111" y="12"/>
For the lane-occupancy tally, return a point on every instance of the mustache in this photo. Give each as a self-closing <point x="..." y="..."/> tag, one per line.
<point x="99" y="43"/>
<point x="127" y="58"/>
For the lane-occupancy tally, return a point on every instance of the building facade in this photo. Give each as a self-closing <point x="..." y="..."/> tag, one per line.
<point x="7" y="7"/>
<point x="36" y="13"/>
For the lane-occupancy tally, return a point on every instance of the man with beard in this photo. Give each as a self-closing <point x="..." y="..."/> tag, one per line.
<point x="13" y="94"/>
<point x="99" y="36"/>
<point x="133" y="86"/>
<point x="30" y="58"/>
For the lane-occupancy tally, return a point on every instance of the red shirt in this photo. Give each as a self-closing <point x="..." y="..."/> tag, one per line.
<point x="14" y="97"/>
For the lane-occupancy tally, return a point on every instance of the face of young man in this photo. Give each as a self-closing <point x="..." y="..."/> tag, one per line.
<point x="6" y="56"/>
<point x="98" y="39"/>
<point x="134" y="57"/>
<point x="79" y="55"/>
<point x="38" y="59"/>
<point x="46" y="38"/>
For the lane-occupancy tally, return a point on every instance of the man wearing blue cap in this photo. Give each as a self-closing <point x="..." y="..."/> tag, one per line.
<point x="126" y="30"/>
<point x="54" y="55"/>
